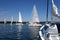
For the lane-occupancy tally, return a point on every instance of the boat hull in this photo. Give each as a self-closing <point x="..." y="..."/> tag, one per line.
<point x="36" y="25"/>
<point x="19" y="24"/>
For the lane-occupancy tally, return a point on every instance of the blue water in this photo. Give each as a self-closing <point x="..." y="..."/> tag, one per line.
<point x="18" y="32"/>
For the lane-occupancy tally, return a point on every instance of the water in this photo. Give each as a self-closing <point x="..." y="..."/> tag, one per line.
<point x="18" y="32"/>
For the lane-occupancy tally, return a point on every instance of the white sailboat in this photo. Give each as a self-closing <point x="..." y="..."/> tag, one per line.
<point x="50" y="31"/>
<point x="20" y="19"/>
<point x="11" y="20"/>
<point x="34" y="21"/>
<point x="5" y="21"/>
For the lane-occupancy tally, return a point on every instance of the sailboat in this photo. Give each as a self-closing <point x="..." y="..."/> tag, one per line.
<point x="20" y="20"/>
<point x="49" y="31"/>
<point x="34" y="21"/>
<point x="20" y="17"/>
<point x="11" y="20"/>
<point x="5" y="21"/>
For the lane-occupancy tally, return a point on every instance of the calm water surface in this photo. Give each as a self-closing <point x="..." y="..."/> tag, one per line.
<point x="18" y="32"/>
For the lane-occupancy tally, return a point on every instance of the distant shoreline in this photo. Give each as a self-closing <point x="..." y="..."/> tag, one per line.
<point x="14" y="22"/>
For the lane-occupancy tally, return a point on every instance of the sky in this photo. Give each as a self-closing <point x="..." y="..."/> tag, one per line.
<point x="10" y="8"/>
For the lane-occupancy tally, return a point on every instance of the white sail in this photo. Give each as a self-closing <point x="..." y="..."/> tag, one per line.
<point x="20" y="18"/>
<point x="54" y="10"/>
<point x="34" y="21"/>
<point x="34" y="16"/>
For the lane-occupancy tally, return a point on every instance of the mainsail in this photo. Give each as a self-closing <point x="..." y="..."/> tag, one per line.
<point x="34" y="16"/>
<point x="54" y="10"/>
<point x="20" y="18"/>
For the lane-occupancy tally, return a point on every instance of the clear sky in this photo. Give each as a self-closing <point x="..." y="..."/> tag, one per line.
<point x="10" y="8"/>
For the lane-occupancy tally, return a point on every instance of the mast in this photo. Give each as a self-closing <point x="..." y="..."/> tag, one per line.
<point x="47" y="11"/>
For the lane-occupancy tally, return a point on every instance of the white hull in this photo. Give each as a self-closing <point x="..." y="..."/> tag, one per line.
<point x="35" y="24"/>
<point x="19" y="24"/>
